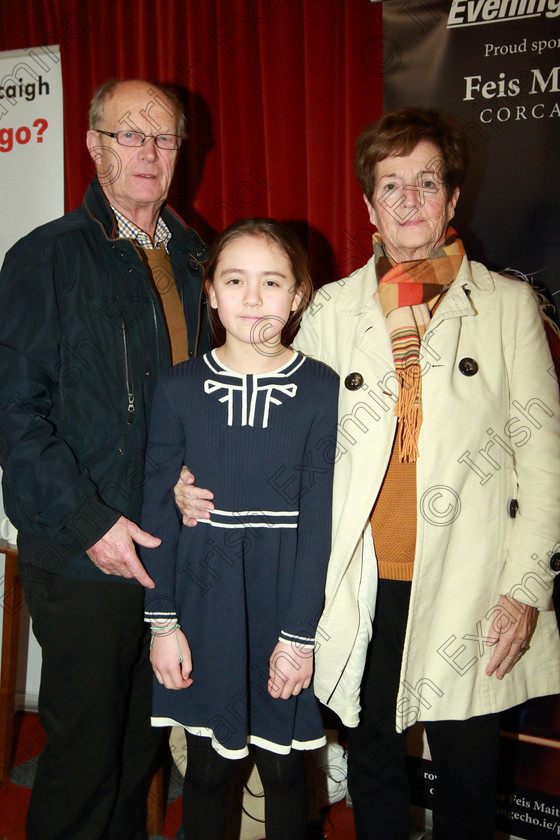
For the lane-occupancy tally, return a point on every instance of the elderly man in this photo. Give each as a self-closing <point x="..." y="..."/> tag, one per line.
<point x="97" y="305"/>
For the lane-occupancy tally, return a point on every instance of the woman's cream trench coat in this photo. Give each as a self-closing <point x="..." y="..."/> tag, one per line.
<point x="490" y="434"/>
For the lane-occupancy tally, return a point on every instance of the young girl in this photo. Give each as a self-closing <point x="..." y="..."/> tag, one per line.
<point x="237" y="598"/>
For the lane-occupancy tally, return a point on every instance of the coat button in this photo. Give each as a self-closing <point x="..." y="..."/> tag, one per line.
<point x="555" y="562"/>
<point x="354" y="381"/>
<point x="513" y="508"/>
<point x="468" y="367"/>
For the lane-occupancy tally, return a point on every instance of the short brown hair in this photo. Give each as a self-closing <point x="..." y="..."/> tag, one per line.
<point x="398" y="132"/>
<point x="107" y="89"/>
<point x="288" y="242"/>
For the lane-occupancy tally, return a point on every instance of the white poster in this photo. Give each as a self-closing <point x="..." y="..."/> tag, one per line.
<point x="31" y="142"/>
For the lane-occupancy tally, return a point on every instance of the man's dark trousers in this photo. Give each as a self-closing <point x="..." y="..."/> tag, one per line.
<point x="91" y="788"/>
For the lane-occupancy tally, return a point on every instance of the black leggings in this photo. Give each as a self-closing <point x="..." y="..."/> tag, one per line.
<point x="206" y="783"/>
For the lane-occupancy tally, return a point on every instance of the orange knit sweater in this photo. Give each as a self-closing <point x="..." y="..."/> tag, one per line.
<point x="393" y="519"/>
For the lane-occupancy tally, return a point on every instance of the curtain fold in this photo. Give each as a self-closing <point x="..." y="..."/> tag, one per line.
<point x="275" y="92"/>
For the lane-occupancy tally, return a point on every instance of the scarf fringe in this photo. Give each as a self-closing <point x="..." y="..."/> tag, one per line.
<point x="408" y="407"/>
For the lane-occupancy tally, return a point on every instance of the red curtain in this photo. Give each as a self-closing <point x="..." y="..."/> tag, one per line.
<point x="275" y="92"/>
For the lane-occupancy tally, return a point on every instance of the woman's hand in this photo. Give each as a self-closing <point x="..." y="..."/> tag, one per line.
<point x="290" y="670"/>
<point x="171" y="659"/>
<point x="513" y="624"/>
<point x="193" y="502"/>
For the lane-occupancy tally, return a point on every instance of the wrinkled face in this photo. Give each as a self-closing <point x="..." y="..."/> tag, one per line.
<point x="137" y="178"/>
<point x="253" y="291"/>
<point x="410" y="206"/>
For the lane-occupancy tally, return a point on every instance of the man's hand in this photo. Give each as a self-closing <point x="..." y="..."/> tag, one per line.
<point x="171" y="659"/>
<point x="115" y="553"/>
<point x="513" y="624"/>
<point x="290" y="670"/>
<point x="193" y="502"/>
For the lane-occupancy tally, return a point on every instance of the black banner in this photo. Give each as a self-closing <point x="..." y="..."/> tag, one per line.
<point x="495" y="65"/>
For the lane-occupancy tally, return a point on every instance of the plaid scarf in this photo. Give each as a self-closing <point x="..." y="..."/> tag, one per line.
<point x="408" y="292"/>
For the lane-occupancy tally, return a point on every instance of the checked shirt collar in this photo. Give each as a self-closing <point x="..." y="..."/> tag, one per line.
<point x="128" y="230"/>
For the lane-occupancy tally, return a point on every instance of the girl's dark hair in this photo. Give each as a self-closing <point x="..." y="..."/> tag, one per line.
<point x="288" y="242"/>
<point x="398" y="132"/>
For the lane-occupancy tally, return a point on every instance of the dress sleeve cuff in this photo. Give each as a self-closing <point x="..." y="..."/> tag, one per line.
<point x="158" y="618"/>
<point x="296" y="640"/>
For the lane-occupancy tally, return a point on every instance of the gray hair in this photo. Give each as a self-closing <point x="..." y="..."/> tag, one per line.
<point x="106" y="91"/>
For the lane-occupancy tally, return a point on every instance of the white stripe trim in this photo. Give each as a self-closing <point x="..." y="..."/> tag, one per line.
<point x="279" y="749"/>
<point x="298" y="645"/>
<point x="248" y="524"/>
<point x="204" y="732"/>
<point x="293" y="636"/>
<point x="255" y="512"/>
<point x="157" y="616"/>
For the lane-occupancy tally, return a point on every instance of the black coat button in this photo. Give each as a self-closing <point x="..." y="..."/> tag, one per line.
<point x="555" y="562"/>
<point x="513" y="508"/>
<point x="354" y="381"/>
<point x="468" y="367"/>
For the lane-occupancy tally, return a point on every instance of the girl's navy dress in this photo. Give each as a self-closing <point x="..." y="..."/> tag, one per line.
<point x="255" y="572"/>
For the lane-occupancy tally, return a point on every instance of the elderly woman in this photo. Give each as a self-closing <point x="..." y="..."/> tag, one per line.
<point x="446" y="513"/>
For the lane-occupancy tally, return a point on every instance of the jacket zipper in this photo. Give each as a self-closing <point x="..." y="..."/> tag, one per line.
<point x="128" y="375"/>
<point x="200" y="305"/>
<point x="156" y="330"/>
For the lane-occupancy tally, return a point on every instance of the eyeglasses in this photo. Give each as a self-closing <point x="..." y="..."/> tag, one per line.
<point x="138" y="138"/>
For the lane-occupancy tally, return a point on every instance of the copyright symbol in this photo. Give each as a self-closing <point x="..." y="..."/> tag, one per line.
<point x="111" y="168"/>
<point x="381" y="56"/>
<point x="330" y="784"/>
<point x="546" y="224"/>
<point x="440" y="505"/>
<point x="265" y="335"/>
